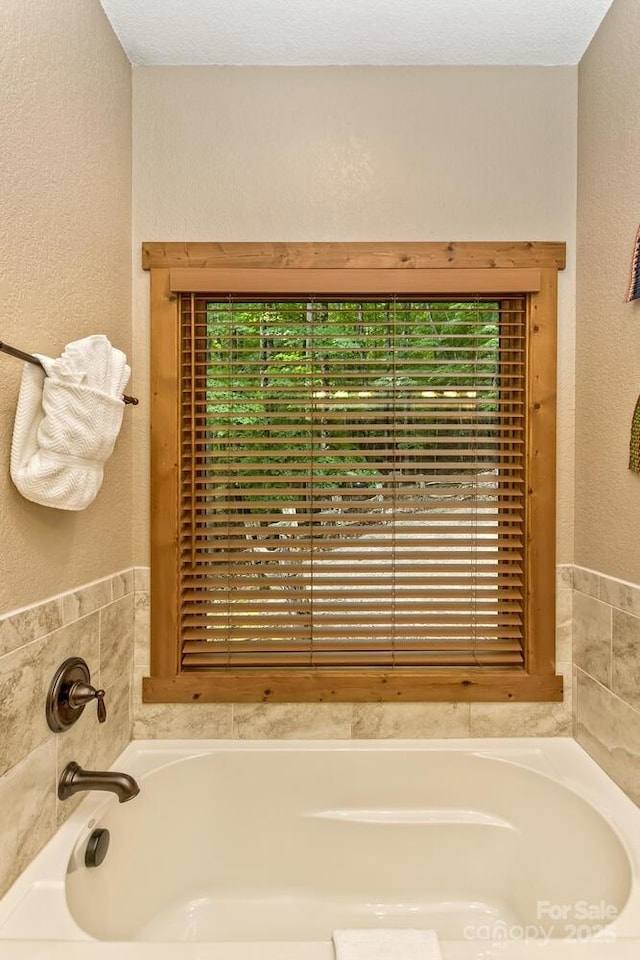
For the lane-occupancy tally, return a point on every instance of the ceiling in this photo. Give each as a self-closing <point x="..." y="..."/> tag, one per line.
<point x="376" y="32"/>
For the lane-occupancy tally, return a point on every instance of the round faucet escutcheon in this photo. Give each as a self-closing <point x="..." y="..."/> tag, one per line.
<point x="69" y="693"/>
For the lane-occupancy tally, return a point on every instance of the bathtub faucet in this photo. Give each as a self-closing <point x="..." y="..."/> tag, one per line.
<point x="73" y="779"/>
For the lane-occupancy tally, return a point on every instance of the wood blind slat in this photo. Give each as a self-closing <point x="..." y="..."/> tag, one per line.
<point x="326" y="646"/>
<point x="197" y="593"/>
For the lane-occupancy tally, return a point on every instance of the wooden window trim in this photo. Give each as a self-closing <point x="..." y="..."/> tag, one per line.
<point x="533" y="268"/>
<point x="258" y="281"/>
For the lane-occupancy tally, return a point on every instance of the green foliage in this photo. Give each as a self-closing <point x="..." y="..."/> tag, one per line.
<point x="369" y="390"/>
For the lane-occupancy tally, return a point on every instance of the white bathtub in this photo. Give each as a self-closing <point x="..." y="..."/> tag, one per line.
<point x="239" y="850"/>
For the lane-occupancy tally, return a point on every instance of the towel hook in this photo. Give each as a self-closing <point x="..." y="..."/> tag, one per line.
<point x="29" y="358"/>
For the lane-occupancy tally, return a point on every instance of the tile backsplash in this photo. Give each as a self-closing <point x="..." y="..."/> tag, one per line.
<point x="107" y="623"/>
<point x="96" y="622"/>
<point x="606" y="634"/>
<point x="343" y="720"/>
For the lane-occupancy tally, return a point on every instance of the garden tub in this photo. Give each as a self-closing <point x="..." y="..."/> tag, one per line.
<point x="256" y="847"/>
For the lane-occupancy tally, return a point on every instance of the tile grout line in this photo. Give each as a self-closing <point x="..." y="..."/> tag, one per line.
<point x="50" y="736"/>
<point x="607" y="690"/>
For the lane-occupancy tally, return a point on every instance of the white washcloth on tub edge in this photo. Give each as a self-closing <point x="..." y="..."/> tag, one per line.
<point x="67" y="423"/>
<point x="386" y="945"/>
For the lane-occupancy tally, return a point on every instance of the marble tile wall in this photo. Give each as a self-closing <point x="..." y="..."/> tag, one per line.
<point x="344" y="720"/>
<point x="96" y="622"/>
<point x="606" y="638"/>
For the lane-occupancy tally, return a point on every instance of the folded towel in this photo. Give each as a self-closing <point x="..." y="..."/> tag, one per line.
<point x="386" y="945"/>
<point x="67" y="423"/>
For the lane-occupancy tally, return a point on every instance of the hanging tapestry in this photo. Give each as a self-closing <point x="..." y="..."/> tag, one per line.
<point x="634" y="446"/>
<point x="634" y="285"/>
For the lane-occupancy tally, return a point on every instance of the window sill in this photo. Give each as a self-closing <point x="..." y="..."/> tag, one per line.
<point x="319" y="685"/>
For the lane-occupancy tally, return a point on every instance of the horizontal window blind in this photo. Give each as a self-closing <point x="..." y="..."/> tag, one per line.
<point x="352" y="482"/>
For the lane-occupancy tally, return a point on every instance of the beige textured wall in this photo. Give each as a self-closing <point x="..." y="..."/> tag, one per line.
<point x="344" y="153"/>
<point x="65" y="217"/>
<point x="608" y="330"/>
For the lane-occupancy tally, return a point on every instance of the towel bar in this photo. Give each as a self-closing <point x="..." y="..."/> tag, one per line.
<point x="29" y="358"/>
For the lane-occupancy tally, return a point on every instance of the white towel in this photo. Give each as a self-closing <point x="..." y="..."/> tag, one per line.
<point x="67" y="423"/>
<point x="386" y="945"/>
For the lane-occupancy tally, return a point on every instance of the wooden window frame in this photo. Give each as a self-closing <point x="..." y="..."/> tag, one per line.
<point x="419" y="268"/>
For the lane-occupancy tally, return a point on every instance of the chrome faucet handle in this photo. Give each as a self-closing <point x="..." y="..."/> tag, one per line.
<point x="82" y="693"/>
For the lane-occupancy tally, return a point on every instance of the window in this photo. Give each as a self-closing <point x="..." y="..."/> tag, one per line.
<point x="353" y="470"/>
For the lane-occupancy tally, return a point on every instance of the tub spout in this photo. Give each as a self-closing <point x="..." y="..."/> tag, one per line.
<point x="74" y="779"/>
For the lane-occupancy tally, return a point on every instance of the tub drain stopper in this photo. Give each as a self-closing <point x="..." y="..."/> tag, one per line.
<point x="97" y="847"/>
